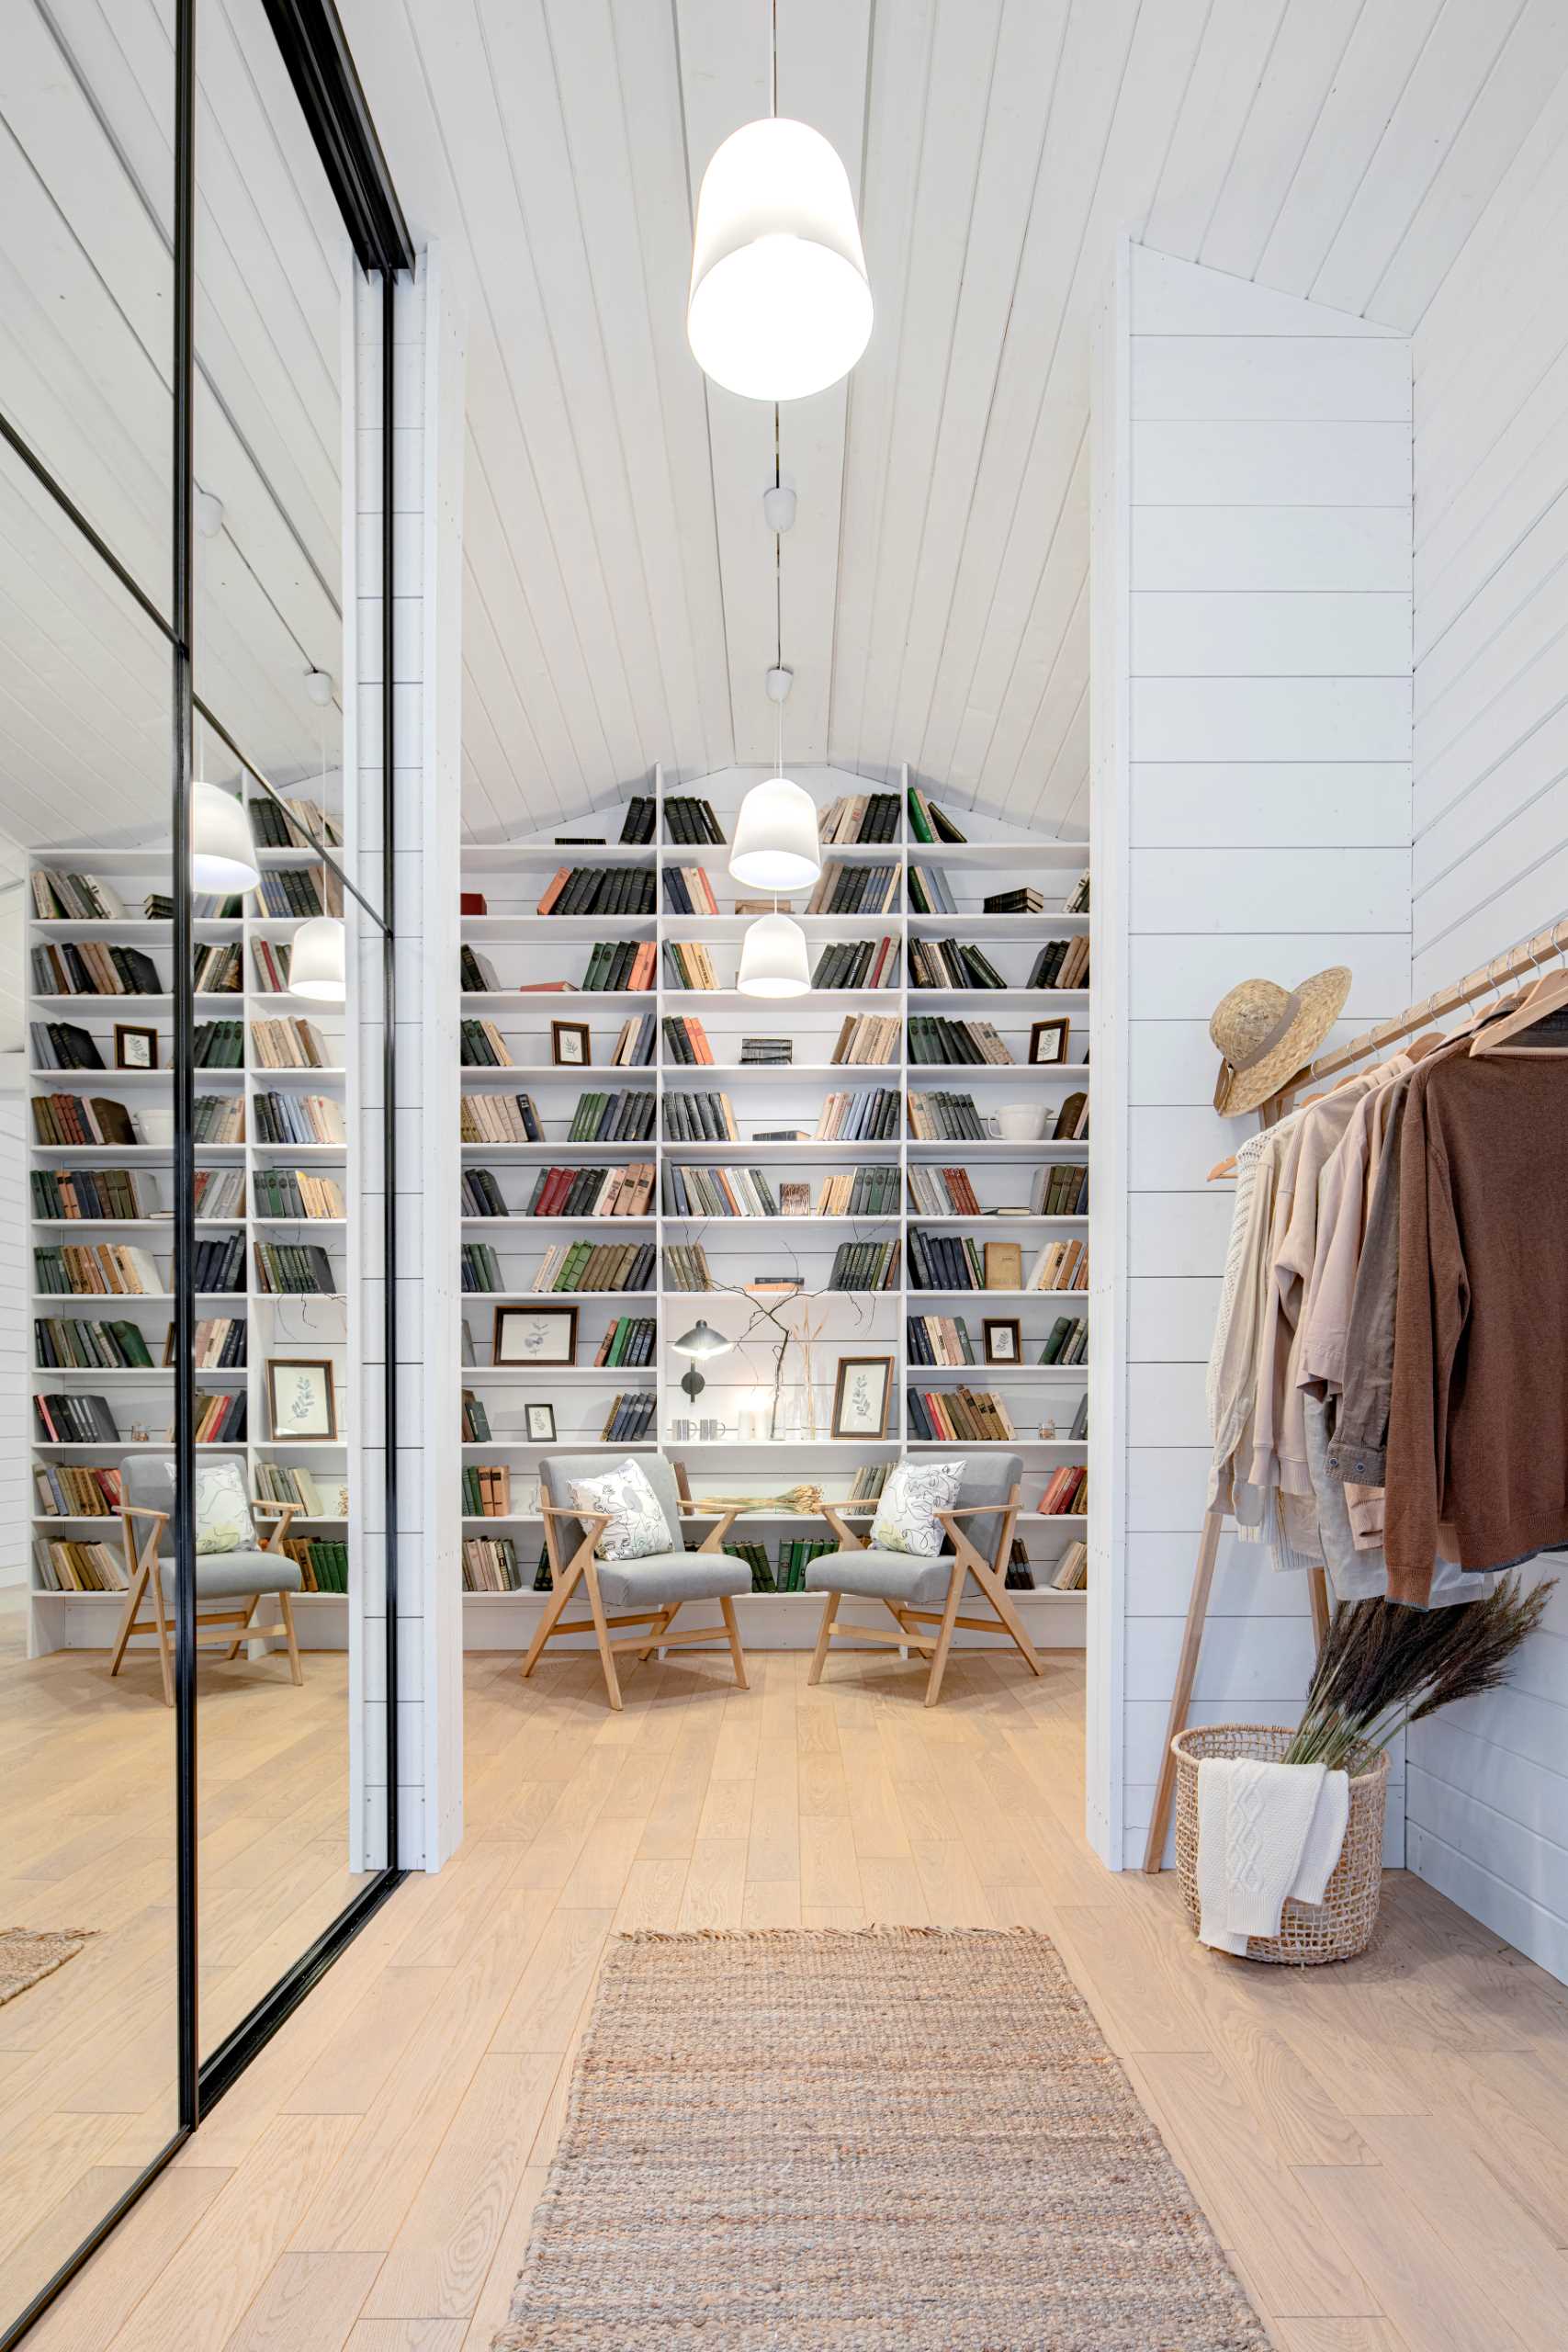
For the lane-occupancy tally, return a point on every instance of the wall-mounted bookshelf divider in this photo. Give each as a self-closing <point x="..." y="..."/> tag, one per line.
<point x="274" y="1215"/>
<point x="831" y="1120"/>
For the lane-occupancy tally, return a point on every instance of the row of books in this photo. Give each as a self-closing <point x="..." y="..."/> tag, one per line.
<point x="949" y="1262"/>
<point x="629" y="1340"/>
<point x="690" y="820"/>
<point x="305" y="823"/>
<point x="870" y="1191"/>
<point x="949" y="964"/>
<point x="287" y="1482"/>
<point x="1071" y="1571"/>
<point x="1062" y="963"/>
<point x="220" y="1419"/>
<point x="61" y="897"/>
<point x="865" y="1265"/>
<point x="973" y="1416"/>
<point x="476" y="1429"/>
<point x="688" y="965"/>
<point x="219" y="970"/>
<point x="868" y="1037"/>
<point x="625" y="1114"/>
<point x="219" y="1045"/>
<point x="292" y="1191"/>
<point x="933" y="1038"/>
<point x="269" y="961"/>
<point x="490" y="1562"/>
<point x="634" y="1046"/>
<point x="94" y="967"/>
<point x="630" y="1419"/>
<point x="854" y="891"/>
<point x="596" y="1266"/>
<point x="928" y="822"/>
<point x="82" y="1344"/>
<point x="1067" y="1491"/>
<point x="60" y="1045"/>
<point x="624" y="967"/>
<point x="75" y="1420"/>
<point x="219" y="1118"/>
<point x="638" y="825"/>
<point x="598" y="890"/>
<point x="478" y="1268"/>
<point x="218" y="1344"/>
<point x="686" y="1041"/>
<point x="86" y="1192"/>
<point x="943" y="1192"/>
<point x="1061" y="1265"/>
<point x="61" y="1491"/>
<point x="871" y="1116"/>
<point x="686" y="1267"/>
<point x="290" y="891"/>
<point x="487" y="1491"/>
<point x="104" y="1268"/>
<point x="219" y="1265"/>
<point x="220" y="1192"/>
<point x="943" y="1117"/>
<point x="1062" y="1190"/>
<point x="293" y="1267"/>
<point x="939" y="1340"/>
<point x="78" y="1567"/>
<point x="299" y="1118"/>
<point x="764" y="1053"/>
<point x="857" y="964"/>
<point x="290" y="1044"/>
<point x="322" y="1561"/>
<point x="1024" y="900"/>
<point x="481" y="1045"/>
<point x="688" y="892"/>
<point x="795" y="1555"/>
<point x="859" y="817"/>
<point x="81" y="1119"/>
<point x="480" y="1196"/>
<point x="1066" y="1341"/>
<point x="499" y="1118"/>
<point x="592" y="1191"/>
<point x="718" y="1192"/>
<point x="929" y="891"/>
<point x="700" y="1118"/>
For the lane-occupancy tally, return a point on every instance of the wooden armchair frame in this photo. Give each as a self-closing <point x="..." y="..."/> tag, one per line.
<point x="233" y="1614"/>
<point x="582" y="1569"/>
<point x="989" y="1574"/>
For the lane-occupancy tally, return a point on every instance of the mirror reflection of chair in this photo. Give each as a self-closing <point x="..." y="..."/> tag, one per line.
<point x="922" y="1590"/>
<point x="648" y="1592"/>
<point x="230" y="1585"/>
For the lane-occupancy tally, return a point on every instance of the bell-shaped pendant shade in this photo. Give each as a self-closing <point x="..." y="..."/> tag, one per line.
<point x="774" y="958"/>
<point x="780" y="305"/>
<point x="776" y="845"/>
<point x="222" y="851"/>
<point x="316" y="961"/>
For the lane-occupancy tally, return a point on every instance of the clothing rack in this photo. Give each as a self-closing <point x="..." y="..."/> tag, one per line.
<point x="1512" y="965"/>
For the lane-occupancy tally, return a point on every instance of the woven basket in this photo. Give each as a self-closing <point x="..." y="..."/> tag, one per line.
<point x="1342" y="1925"/>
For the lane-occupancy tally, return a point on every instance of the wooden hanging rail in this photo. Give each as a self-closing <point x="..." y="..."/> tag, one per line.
<point x="1512" y="965"/>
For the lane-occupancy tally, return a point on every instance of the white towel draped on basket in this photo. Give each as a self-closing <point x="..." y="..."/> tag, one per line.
<point x="1266" y="1833"/>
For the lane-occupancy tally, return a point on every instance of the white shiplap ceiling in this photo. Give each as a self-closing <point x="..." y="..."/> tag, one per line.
<point x="620" y="593"/>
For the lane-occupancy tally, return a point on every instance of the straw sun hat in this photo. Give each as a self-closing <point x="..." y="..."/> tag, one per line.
<point x="1266" y="1033"/>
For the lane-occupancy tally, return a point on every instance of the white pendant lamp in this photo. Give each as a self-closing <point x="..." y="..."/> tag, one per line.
<point x="774" y="958"/>
<point x="317" y="964"/>
<point x="775" y="846"/>
<point x="222" y="851"/>
<point x="780" y="305"/>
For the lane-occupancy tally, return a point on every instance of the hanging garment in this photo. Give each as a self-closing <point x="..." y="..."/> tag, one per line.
<point x="1266" y="1833"/>
<point x="1357" y="1570"/>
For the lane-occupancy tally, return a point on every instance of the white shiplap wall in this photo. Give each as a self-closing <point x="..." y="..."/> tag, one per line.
<point x="1259" y="825"/>
<point x="1488" y="1781"/>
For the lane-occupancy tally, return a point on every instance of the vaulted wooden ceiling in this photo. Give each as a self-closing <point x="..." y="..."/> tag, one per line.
<point x="620" y="581"/>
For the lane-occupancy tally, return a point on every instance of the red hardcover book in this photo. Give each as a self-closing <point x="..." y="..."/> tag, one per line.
<point x="473" y="902"/>
<point x="557" y="884"/>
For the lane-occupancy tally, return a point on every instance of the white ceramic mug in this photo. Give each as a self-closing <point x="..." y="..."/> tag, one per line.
<point x="1022" y="1121"/>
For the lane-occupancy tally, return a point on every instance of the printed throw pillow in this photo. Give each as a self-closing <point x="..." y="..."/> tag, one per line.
<point x="637" y="1524"/>
<point x="222" y="1508"/>
<point x="906" y="1519"/>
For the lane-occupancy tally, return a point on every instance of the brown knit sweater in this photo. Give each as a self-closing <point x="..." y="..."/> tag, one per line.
<point x="1478" y="1421"/>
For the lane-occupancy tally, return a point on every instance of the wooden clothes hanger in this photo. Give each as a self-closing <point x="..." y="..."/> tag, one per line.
<point x="1545" y="995"/>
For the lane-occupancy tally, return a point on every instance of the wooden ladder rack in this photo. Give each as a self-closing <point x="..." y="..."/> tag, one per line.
<point x="1494" y="977"/>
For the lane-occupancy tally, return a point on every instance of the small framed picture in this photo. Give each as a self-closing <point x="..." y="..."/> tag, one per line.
<point x="1004" y="1265"/>
<point x="1004" y="1340"/>
<point x="861" y="1396"/>
<point x="1048" y="1042"/>
<point x="135" y="1048"/>
<point x="302" y="1397"/>
<point x="541" y="1424"/>
<point x="572" y="1046"/>
<point x="527" y="1335"/>
<point x="794" y="1200"/>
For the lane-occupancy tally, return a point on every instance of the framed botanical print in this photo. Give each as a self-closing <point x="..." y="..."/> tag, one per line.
<point x="1004" y="1340"/>
<point x="529" y="1335"/>
<point x="1048" y="1042"/>
<point x="861" y="1396"/>
<point x="301" y="1398"/>
<point x="541" y="1424"/>
<point x="134" y="1048"/>
<point x="572" y="1045"/>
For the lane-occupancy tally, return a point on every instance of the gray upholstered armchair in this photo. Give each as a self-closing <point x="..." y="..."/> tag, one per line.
<point x="649" y="1591"/>
<point x="922" y="1591"/>
<point x="230" y="1585"/>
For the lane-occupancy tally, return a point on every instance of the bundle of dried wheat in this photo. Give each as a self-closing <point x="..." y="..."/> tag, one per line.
<point x="801" y="1498"/>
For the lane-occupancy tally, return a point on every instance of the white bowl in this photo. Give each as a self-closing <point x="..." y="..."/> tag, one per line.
<point x="1022" y="1121"/>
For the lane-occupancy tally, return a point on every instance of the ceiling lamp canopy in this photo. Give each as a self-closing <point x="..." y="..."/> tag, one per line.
<point x="775" y="846"/>
<point x="222" y="851"/>
<point x="317" y="967"/>
<point x="780" y="305"/>
<point x="774" y="958"/>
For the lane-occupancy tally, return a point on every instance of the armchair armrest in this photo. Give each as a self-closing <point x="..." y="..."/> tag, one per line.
<point x="284" y="1513"/>
<point x="714" y="1540"/>
<point x="1009" y="1511"/>
<point x="593" y="1522"/>
<point x="849" y="1540"/>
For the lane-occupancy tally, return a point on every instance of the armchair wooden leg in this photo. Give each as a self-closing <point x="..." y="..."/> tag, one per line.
<point x="944" y="1639"/>
<point x="997" y="1593"/>
<point x="132" y="1604"/>
<point x="551" y="1612"/>
<point x="238" y="1641"/>
<point x="659" y="1631"/>
<point x="736" y="1651"/>
<point x="824" y="1636"/>
<point x="601" y="1635"/>
<point x="286" y="1609"/>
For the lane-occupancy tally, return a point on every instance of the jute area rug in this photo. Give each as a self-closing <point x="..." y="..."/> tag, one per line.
<point x="903" y="2137"/>
<point x="25" y="1955"/>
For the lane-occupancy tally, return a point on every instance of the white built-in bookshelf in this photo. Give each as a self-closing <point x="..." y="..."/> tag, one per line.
<point x="283" y="1325"/>
<point x="729" y="1440"/>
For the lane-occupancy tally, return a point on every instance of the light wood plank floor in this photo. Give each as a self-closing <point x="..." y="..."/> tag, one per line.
<point x="1382" y="2148"/>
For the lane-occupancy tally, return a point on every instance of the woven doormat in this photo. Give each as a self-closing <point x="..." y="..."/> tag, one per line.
<point x="903" y="2138"/>
<point x="25" y="1955"/>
